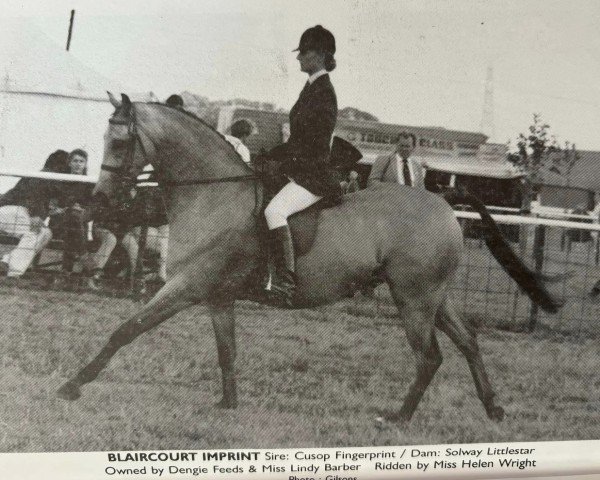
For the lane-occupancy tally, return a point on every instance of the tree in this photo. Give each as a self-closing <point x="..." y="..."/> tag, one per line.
<point x="539" y="152"/>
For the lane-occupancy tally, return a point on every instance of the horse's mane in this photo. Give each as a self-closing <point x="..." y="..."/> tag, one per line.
<point x="203" y="123"/>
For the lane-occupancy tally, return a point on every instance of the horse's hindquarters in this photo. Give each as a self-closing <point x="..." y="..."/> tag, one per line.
<point x="410" y="235"/>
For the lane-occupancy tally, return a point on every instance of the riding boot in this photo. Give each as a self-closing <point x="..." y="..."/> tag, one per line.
<point x="281" y="284"/>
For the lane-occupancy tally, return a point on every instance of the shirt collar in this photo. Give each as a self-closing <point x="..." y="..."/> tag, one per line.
<point x="316" y="75"/>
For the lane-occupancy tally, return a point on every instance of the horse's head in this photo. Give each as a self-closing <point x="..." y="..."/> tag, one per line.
<point x="124" y="152"/>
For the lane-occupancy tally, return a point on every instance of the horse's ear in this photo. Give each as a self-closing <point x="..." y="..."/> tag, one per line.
<point x="115" y="103"/>
<point x="125" y="99"/>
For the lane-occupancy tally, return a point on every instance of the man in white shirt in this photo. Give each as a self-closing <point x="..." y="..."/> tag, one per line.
<point x="399" y="167"/>
<point x="240" y="131"/>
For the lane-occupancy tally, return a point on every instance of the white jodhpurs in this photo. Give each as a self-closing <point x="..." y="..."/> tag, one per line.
<point x="16" y="222"/>
<point x="291" y="199"/>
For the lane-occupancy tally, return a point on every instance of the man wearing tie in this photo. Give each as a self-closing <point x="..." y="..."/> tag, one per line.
<point x="398" y="167"/>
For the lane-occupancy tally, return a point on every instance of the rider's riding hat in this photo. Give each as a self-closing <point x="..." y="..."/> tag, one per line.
<point x="317" y="38"/>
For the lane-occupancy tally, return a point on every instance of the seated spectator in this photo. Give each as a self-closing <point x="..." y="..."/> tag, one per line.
<point x="351" y="185"/>
<point x="70" y="210"/>
<point x="147" y="208"/>
<point x="157" y="240"/>
<point x="23" y="210"/>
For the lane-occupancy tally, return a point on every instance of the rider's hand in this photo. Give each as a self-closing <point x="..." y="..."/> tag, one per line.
<point x="36" y="224"/>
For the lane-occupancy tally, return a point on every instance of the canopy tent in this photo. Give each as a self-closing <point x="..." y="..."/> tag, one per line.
<point x="49" y="100"/>
<point x="505" y="170"/>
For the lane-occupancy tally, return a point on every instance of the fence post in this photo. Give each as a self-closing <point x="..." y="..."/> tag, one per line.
<point x="539" y="239"/>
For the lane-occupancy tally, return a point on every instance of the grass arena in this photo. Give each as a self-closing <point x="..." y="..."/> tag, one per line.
<point x="306" y="378"/>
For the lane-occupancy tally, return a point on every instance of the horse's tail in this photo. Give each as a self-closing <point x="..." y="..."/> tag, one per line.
<point x="531" y="283"/>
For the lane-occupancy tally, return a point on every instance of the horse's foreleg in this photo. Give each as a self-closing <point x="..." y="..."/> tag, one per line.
<point x="449" y="322"/>
<point x="223" y="320"/>
<point x="166" y="303"/>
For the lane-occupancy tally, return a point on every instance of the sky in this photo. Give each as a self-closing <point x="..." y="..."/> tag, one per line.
<point x="409" y="62"/>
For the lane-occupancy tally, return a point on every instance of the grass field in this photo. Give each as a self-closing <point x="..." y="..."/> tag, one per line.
<point x="306" y="378"/>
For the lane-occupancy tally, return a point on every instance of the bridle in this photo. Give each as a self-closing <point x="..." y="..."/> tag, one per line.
<point x="126" y="170"/>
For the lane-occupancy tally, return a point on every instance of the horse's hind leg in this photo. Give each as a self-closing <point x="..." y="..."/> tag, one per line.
<point x="420" y="333"/>
<point x="449" y="322"/>
<point x="167" y="302"/>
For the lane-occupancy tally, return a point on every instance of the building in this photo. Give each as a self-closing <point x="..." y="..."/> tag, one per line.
<point x="452" y="157"/>
<point x="577" y="188"/>
<point x="370" y="137"/>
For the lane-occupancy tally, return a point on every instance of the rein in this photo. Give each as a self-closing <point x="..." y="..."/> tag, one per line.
<point x="204" y="181"/>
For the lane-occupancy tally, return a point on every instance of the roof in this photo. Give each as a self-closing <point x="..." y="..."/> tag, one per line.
<point x="31" y="63"/>
<point x="584" y="174"/>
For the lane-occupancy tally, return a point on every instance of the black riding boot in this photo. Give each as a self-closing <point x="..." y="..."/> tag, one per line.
<point x="281" y="282"/>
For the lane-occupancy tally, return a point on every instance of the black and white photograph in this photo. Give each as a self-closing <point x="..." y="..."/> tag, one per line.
<point x="317" y="224"/>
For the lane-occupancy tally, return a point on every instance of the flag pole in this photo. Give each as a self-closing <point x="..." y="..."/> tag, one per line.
<point x="70" y="29"/>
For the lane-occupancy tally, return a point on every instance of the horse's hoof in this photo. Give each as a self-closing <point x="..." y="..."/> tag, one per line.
<point x="496" y="413"/>
<point x="394" y="417"/>
<point x="226" y="404"/>
<point x="381" y="424"/>
<point x="69" y="391"/>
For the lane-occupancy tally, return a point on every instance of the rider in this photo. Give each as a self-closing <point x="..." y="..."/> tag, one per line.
<point x="305" y="159"/>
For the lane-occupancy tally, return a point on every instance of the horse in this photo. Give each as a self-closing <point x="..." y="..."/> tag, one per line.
<point x="407" y="238"/>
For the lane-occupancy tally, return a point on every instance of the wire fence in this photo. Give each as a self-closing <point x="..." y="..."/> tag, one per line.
<point x="566" y="252"/>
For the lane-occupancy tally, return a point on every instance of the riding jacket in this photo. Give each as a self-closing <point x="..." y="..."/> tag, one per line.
<point x="312" y="121"/>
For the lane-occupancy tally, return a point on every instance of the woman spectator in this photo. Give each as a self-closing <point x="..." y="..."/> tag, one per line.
<point x="23" y="210"/>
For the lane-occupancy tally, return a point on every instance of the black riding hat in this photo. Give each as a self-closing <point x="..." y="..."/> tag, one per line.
<point x="317" y="38"/>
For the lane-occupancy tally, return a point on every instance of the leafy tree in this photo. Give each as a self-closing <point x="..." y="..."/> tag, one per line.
<point x="539" y="152"/>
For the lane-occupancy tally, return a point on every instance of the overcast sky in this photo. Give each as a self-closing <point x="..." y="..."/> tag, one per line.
<point x="413" y="62"/>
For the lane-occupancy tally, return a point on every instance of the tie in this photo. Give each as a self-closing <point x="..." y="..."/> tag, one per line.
<point x="406" y="173"/>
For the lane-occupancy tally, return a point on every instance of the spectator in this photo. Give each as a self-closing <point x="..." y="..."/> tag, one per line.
<point x="399" y="167"/>
<point x="353" y="185"/>
<point x="69" y="210"/>
<point x="124" y="225"/>
<point x="240" y="131"/>
<point x="23" y="210"/>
